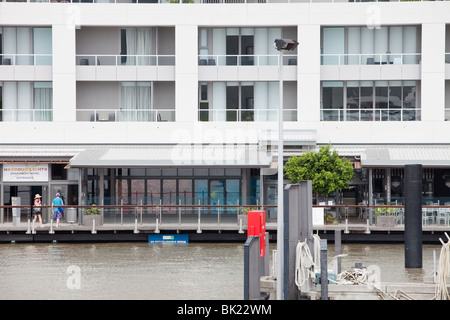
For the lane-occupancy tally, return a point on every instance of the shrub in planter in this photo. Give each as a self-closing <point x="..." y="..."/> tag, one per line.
<point x="90" y="214"/>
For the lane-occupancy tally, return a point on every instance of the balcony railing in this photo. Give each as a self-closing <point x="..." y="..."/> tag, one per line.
<point x="125" y="115"/>
<point x="231" y="217"/>
<point x="246" y="60"/>
<point x="370" y="114"/>
<point x="246" y="115"/>
<point x="370" y="59"/>
<point x="26" y="59"/>
<point x="26" y="115"/>
<point x="125" y="60"/>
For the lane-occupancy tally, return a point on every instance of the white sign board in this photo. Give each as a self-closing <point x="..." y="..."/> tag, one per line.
<point x="318" y="216"/>
<point x="25" y="172"/>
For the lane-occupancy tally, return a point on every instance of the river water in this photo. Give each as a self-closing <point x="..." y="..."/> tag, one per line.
<point x="211" y="271"/>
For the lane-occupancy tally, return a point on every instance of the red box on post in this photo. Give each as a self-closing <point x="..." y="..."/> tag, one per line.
<point x="256" y="226"/>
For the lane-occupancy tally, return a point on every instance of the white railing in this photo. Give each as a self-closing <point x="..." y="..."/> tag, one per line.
<point x="205" y="1"/>
<point x="26" y="115"/>
<point x="125" y="60"/>
<point x="370" y="59"/>
<point x="125" y="115"/>
<point x="25" y="59"/>
<point x="246" y="60"/>
<point x="370" y="114"/>
<point x="246" y="115"/>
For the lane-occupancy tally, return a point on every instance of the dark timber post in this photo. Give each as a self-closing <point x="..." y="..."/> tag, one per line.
<point x="413" y="216"/>
<point x="252" y="265"/>
<point x="297" y="227"/>
<point x="323" y="270"/>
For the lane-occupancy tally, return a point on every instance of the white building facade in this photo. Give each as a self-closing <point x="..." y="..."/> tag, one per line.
<point x="148" y="102"/>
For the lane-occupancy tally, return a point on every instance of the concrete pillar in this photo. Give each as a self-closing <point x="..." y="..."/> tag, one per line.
<point x="186" y="73"/>
<point x="433" y="72"/>
<point x="64" y="73"/>
<point x="308" y="73"/>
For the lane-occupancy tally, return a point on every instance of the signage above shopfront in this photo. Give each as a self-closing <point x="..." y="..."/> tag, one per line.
<point x="25" y="172"/>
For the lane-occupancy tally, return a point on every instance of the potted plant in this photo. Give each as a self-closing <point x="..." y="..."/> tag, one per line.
<point x="90" y="214"/>
<point x="384" y="217"/>
<point x="242" y="215"/>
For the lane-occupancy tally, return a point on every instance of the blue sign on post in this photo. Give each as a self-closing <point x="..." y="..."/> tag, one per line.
<point x="173" y="238"/>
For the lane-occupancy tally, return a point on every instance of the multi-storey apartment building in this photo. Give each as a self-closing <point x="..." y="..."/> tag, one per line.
<point x="112" y="101"/>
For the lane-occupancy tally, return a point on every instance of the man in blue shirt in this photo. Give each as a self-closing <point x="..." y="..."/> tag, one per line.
<point x="57" y="211"/>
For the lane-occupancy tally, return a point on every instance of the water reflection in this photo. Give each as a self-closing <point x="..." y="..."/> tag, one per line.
<point x="161" y="271"/>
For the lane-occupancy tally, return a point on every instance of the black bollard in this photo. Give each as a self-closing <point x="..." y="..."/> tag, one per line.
<point x="413" y="216"/>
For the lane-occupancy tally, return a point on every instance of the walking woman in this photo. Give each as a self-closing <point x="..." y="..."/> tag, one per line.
<point x="57" y="201"/>
<point x="37" y="210"/>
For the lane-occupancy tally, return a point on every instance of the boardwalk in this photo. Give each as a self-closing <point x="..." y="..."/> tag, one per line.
<point x="226" y="229"/>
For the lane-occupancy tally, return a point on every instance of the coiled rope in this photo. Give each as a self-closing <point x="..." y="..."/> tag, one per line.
<point x="305" y="264"/>
<point x="443" y="271"/>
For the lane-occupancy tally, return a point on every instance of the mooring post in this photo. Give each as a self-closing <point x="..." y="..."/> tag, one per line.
<point x="252" y="273"/>
<point x="413" y="216"/>
<point x="297" y="227"/>
<point x="323" y="270"/>
<point x="337" y="248"/>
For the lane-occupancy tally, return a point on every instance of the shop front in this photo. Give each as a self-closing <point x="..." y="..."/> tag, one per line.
<point x="217" y="179"/>
<point x="21" y="181"/>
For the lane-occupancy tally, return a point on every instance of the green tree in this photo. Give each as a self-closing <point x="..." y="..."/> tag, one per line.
<point x="327" y="171"/>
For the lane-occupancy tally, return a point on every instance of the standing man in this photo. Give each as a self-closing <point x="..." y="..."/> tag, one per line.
<point x="57" y="211"/>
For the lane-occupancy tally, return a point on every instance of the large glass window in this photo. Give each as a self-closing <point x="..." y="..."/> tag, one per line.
<point x="242" y="46"/>
<point x="25" y="46"/>
<point x="370" y="101"/>
<point x="26" y="101"/>
<point x="135" y="100"/>
<point x="246" y="101"/>
<point x="362" y="45"/>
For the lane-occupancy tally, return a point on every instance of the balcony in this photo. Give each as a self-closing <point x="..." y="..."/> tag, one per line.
<point x="370" y="59"/>
<point x="245" y="67"/>
<point x="404" y="66"/>
<point x="25" y="67"/>
<point x="242" y="115"/>
<point x="412" y="114"/>
<point x="126" y="115"/>
<point x="126" y="67"/>
<point x="13" y="115"/>
<point x="246" y="60"/>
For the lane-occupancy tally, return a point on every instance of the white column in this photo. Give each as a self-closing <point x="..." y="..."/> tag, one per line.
<point x="186" y="73"/>
<point x="64" y="73"/>
<point x="433" y="72"/>
<point x="308" y="73"/>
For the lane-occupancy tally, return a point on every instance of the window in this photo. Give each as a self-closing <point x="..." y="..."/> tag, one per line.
<point x="370" y="101"/>
<point x="135" y="100"/>
<point x="246" y="101"/>
<point x="26" y="101"/>
<point x="361" y="45"/>
<point x="241" y="46"/>
<point x="26" y="46"/>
